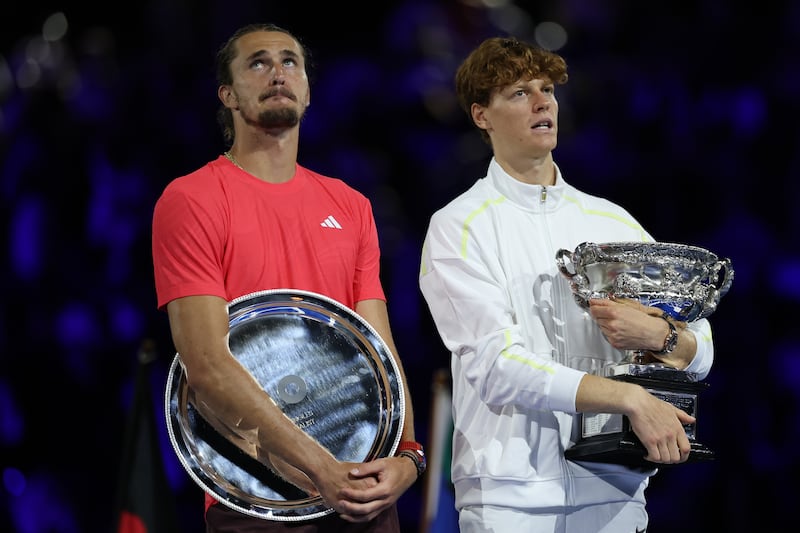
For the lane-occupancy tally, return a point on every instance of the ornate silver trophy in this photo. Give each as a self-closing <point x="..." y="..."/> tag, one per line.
<point x="685" y="283"/>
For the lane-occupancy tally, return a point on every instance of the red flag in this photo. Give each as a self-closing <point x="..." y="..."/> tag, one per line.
<point x="145" y="502"/>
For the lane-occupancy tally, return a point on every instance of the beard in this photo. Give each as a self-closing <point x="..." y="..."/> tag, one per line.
<point x="278" y="118"/>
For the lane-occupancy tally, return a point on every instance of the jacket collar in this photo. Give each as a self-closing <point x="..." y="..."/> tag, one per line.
<point x="526" y="195"/>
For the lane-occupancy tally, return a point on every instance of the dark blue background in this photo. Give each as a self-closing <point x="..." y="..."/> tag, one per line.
<point x="684" y="112"/>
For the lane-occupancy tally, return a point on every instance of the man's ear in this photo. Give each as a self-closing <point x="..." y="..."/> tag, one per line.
<point x="479" y="117"/>
<point x="227" y="97"/>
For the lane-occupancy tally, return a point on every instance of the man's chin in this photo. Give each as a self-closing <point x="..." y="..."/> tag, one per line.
<point x="279" y="118"/>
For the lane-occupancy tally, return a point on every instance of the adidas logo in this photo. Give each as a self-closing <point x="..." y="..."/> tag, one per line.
<point x="330" y="222"/>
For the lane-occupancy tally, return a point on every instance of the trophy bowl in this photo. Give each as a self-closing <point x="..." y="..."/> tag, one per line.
<point x="685" y="283"/>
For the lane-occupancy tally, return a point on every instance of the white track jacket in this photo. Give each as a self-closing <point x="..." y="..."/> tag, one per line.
<point x="520" y="343"/>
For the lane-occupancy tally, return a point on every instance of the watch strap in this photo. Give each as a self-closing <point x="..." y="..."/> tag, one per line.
<point x="671" y="340"/>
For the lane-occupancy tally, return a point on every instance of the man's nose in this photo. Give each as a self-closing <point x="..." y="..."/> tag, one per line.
<point x="278" y="76"/>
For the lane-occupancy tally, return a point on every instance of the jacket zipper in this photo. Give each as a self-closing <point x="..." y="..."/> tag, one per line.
<point x="569" y="481"/>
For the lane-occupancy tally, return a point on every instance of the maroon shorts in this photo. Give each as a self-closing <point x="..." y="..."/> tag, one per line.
<point x="222" y="519"/>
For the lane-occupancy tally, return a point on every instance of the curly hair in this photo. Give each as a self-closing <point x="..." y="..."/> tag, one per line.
<point x="498" y="62"/>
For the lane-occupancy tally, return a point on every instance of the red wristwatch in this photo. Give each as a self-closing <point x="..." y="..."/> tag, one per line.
<point x="415" y="452"/>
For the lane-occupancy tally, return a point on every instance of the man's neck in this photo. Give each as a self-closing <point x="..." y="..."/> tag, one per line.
<point x="536" y="171"/>
<point x="271" y="158"/>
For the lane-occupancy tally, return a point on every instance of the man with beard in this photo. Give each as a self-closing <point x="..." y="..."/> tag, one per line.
<point x="252" y="220"/>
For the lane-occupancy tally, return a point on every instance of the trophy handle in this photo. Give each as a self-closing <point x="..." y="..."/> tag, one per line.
<point x="563" y="259"/>
<point x="720" y="280"/>
<point x="577" y="280"/>
<point x="724" y="274"/>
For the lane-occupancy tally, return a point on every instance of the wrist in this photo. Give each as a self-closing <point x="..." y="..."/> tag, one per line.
<point x="671" y="339"/>
<point x="415" y="452"/>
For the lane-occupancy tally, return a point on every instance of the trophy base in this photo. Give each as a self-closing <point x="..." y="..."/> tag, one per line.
<point x="609" y="438"/>
<point x="625" y="449"/>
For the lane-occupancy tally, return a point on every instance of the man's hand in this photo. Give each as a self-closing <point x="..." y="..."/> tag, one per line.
<point x="630" y="325"/>
<point x="384" y="479"/>
<point x="659" y="426"/>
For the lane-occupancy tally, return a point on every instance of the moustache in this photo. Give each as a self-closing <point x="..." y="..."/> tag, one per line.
<point x="279" y="91"/>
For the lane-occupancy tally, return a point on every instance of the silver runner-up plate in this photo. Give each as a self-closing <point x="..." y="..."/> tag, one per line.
<point x="325" y="367"/>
